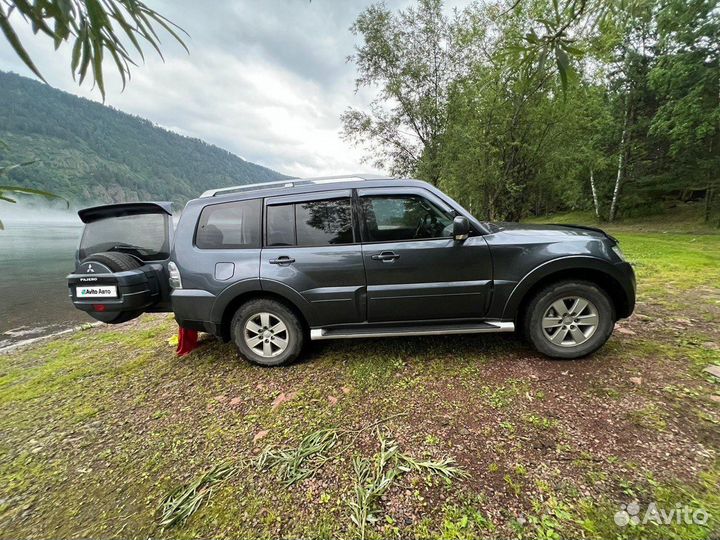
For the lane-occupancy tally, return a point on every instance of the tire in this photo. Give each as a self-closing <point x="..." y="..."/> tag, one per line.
<point x="265" y="313"/>
<point x="564" y="335"/>
<point x="114" y="261"/>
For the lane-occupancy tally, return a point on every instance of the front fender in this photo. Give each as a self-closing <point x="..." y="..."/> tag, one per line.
<point x="620" y="277"/>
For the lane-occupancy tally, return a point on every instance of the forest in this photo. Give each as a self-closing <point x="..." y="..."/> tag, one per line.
<point x="531" y="107"/>
<point x="90" y="153"/>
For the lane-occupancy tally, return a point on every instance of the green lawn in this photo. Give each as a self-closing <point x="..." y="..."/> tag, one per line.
<point x="99" y="427"/>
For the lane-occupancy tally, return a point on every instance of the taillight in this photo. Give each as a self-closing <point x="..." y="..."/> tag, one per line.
<point x="174" y="273"/>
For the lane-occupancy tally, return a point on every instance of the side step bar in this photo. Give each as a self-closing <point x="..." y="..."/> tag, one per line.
<point x="417" y="330"/>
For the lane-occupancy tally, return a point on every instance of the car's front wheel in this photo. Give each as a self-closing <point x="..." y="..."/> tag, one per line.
<point x="267" y="333"/>
<point x="569" y="319"/>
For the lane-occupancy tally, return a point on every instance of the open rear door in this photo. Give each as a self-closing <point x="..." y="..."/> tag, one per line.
<point x="121" y="262"/>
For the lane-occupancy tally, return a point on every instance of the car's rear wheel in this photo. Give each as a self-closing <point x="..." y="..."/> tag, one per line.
<point x="267" y="333"/>
<point x="569" y="319"/>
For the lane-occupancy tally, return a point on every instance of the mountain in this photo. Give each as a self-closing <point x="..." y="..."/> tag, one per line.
<point x="90" y="153"/>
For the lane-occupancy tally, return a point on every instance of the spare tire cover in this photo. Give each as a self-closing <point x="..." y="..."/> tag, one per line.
<point x="108" y="262"/>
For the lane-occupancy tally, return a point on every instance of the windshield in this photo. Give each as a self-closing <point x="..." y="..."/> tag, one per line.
<point x="142" y="235"/>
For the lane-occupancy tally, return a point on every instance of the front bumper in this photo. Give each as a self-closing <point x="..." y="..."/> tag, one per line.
<point x="626" y="277"/>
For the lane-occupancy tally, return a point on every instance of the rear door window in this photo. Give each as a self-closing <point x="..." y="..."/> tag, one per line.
<point x="320" y="222"/>
<point x="281" y="225"/>
<point x="234" y="225"/>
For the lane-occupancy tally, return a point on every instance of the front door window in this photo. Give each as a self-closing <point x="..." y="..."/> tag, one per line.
<point x="396" y="218"/>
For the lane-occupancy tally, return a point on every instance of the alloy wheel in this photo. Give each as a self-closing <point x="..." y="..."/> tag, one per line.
<point x="266" y="335"/>
<point x="570" y="321"/>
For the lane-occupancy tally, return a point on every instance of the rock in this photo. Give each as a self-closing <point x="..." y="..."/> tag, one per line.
<point x="711" y="345"/>
<point x="625" y="331"/>
<point x="713" y="370"/>
<point x="332" y="400"/>
<point x="716" y="399"/>
<point x="346" y="389"/>
<point x="260" y="435"/>
<point x="464" y="431"/>
<point x="234" y="402"/>
<point x="282" y="398"/>
<point x="636" y="380"/>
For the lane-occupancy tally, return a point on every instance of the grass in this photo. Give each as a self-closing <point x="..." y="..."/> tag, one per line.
<point x="106" y="433"/>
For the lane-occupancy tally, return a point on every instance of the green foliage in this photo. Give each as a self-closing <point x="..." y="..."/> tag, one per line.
<point x="373" y="477"/>
<point x="552" y="106"/>
<point x="95" y="27"/>
<point x="293" y="465"/>
<point x="88" y="153"/>
<point x="413" y="57"/>
<point x="185" y="500"/>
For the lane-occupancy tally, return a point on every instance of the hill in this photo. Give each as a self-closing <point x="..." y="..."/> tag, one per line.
<point x="90" y="153"/>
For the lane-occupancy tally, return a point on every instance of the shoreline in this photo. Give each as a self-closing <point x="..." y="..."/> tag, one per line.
<point x="29" y="341"/>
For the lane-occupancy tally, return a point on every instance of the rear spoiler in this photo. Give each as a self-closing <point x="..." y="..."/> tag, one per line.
<point x="587" y="228"/>
<point x="88" y="215"/>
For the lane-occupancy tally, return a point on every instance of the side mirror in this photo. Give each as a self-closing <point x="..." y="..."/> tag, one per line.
<point x="461" y="228"/>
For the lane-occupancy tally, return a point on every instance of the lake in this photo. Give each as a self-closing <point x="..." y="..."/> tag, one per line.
<point x="35" y="257"/>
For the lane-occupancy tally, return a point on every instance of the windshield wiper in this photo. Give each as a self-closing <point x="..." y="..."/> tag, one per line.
<point x="128" y="247"/>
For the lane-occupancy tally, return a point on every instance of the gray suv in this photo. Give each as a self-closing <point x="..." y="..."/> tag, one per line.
<point x="270" y="266"/>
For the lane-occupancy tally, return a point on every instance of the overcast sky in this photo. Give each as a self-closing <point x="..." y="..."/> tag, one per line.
<point x="265" y="79"/>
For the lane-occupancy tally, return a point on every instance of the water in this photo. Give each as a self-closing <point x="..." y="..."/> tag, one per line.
<point x="35" y="257"/>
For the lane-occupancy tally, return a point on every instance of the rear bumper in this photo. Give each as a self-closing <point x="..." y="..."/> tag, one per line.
<point x="193" y="309"/>
<point x="136" y="290"/>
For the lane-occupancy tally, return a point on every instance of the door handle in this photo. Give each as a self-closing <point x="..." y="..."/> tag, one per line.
<point x="385" y="256"/>
<point x="282" y="260"/>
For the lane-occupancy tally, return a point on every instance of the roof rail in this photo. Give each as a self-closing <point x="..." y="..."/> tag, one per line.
<point x="291" y="182"/>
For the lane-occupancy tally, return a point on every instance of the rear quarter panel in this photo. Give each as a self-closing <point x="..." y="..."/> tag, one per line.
<point x="211" y="278"/>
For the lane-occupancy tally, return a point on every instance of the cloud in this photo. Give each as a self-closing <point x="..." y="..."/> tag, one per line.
<point x="265" y="79"/>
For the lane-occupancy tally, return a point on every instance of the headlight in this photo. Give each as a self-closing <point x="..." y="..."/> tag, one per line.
<point x="619" y="252"/>
<point x="175" y="281"/>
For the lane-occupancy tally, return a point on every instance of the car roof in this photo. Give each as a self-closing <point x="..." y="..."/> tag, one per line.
<point x="299" y="186"/>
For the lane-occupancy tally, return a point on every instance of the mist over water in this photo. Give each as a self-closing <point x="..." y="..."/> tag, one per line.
<point x="37" y="250"/>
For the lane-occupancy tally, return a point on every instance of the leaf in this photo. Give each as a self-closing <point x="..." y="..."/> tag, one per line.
<point x="86" y="57"/>
<point x="75" y="56"/>
<point x="563" y="64"/>
<point x="7" y="199"/>
<point x="17" y="46"/>
<point x="8" y="168"/>
<point x="31" y="191"/>
<point x="161" y="21"/>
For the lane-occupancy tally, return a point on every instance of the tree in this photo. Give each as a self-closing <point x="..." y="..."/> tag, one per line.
<point x="412" y="57"/>
<point x="686" y="79"/>
<point x="95" y="27"/>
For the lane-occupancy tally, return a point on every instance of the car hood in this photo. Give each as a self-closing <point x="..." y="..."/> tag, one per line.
<point x="550" y="231"/>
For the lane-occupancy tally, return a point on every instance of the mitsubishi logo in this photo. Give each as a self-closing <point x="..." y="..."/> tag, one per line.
<point x="90" y="269"/>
